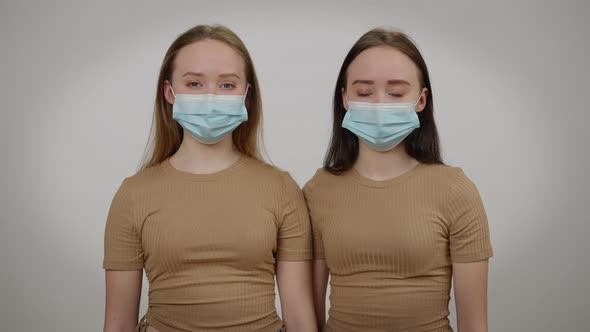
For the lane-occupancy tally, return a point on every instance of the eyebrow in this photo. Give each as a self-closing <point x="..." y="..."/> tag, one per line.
<point x="190" y="73"/>
<point x="390" y="82"/>
<point x="230" y="75"/>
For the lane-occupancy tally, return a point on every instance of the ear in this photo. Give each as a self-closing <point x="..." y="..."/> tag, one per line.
<point x="168" y="92"/>
<point x="422" y="101"/>
<point x="344" y="100"/>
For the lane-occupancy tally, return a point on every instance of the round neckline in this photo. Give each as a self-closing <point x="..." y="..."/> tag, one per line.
<point x="170" y="169"/>
<point x="358" y="177"/>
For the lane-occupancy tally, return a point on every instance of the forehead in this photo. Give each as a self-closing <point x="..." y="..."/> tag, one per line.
<point x="383" y="63"/>
<point x="210" y="57"/>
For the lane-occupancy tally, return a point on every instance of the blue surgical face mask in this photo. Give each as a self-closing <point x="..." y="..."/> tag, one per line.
<point x="382" y="126"/>
<point x="207" y="117"/>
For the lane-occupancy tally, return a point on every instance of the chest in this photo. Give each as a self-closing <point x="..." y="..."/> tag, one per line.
<point x="400" y="235"/>
<point x="203" y="228"/>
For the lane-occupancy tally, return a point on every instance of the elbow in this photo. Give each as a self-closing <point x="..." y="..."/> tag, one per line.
<point x="320" y="315"/>
<point x="474" y="326"/>
<point x="301" y="327"/>
<point x="301" y="324"/>
<point x="120" y="326"/>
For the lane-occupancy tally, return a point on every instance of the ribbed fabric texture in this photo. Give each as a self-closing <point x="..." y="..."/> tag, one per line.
<point x="390" y="245"/>
<point x="208" y="243"/>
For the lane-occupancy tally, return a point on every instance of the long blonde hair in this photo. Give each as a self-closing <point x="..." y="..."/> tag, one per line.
<point x="166" y="139"/>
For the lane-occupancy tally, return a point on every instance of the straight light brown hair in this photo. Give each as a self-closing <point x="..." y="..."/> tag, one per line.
<point x="422" y="144"/>
<point x="166" y="134"/>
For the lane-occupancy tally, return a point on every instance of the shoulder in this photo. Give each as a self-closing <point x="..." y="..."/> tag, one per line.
<point x="143" y="180"/>
<point x="447" y="177"/>
<point x="453" y="185"/>
<point x="264" y="172"/>
<point x="320" y="180"/>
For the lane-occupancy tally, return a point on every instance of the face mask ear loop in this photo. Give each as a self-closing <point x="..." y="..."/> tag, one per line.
<point x="172" y="90"/>
<point x="417" y="101"/>
<point x="246" y="94"/>
<point x="420" y="96"/>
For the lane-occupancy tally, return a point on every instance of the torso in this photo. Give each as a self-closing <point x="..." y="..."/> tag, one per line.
<point x="386" y="244"/>
<point x="209" y="247"/>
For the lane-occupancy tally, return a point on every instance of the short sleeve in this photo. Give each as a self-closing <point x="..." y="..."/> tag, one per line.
<point x="294" y="236"/>
<point x="469" y="234"/>
<point x="318" y="246"/>
<point x="122" y="244"/>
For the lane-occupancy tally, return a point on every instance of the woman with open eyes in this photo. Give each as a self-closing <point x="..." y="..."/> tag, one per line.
<point x="209" y="221"/>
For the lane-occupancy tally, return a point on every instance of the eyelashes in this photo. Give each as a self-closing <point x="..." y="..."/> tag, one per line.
<point x="224" y="86"/>
<point x="396" y="95"/>
<point x="228" y="86"/>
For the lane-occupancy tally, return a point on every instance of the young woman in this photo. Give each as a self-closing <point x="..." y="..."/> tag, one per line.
<point x="391" y="223"/>
<point x="209" y="221"/>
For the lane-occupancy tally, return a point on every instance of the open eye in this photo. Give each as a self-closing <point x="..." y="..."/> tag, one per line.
<point x="194" y="85"/>
<point x="227" y="86"/>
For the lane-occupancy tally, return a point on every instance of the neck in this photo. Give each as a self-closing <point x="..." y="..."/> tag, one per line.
<point x="379" y="166"/>
<point x="195" y="157"/>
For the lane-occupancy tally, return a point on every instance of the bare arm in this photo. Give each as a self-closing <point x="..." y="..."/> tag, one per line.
<point x="320" y="282"/>
<point x="294" y="283"/>
<point x="123" y="292"/>
<point x="471" y="296"/>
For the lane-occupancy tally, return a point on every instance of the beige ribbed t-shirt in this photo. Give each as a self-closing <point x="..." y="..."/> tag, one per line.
<point x="390" y="245"/>
<point x="208" y="243"/>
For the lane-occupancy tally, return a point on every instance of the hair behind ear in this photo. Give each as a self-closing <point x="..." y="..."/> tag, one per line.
<point x="166" y="134"/>
<point x="422" y="144"/>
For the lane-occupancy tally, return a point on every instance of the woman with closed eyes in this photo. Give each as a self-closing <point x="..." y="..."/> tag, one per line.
<point x="392" y="224"/>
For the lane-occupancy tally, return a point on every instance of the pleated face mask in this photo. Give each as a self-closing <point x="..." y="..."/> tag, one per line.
<point x="209" y="117"/>
<point x="382" y="126"/>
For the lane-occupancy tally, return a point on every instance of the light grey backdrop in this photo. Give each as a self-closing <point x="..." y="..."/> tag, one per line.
<point x="77" y="83"/>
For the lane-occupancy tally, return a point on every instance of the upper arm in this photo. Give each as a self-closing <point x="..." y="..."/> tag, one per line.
<point x="469" y="235"/>
<point x="123" y="261"/>
<point x="294" y="254"/>
<point x="123" y="293"/>
<point x="470" y="248"/>
<point x="321" y="272"/>
<point x="320" y="284"/>
<point x="122" y="242"/>
<point x="470" y="281"/>
<point x="318" y="246"/>
<point x="294" y="283"/>
<point x="320" y="278"/>
<point x="294" y="233"/>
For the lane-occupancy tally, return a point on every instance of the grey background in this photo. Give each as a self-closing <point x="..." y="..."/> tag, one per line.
<point x="77" y="87"/>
